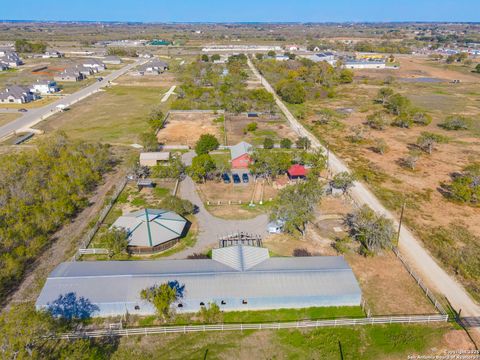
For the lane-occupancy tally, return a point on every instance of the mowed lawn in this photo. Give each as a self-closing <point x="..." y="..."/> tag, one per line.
<point x="364" y="342"/>
<point x="117" y="116"/>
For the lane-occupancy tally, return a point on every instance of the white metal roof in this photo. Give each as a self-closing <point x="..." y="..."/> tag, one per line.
<point x="240" y="149"/>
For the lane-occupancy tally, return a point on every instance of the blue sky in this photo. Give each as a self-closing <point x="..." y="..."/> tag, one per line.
<point x="243" y="10"/>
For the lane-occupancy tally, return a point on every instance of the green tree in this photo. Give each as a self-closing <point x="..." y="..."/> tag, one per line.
<point x="384" y="95"/>
<point x="303" y="143"/>
<point x="24" y="46"/>
<point x="204" y="58"/>
<point x="206" y="143"/>
<point x="180" y="206"/>
<point x="291" y="91"/>
<point x="259" y="56"/>
<point x="345" y="76"/>
<point x="173" y="170"/>
<point x="215" y="57"/>
<point x="163" y="296"/>
<point x="343" y="181"/>
<point x="295" y="205"/>
<point x="374" y="231"/>
<point x="156" y="119"/>
<point x="268" y="143"/>
<point x="286" y="143"/>
<point x="271" y="54"/>
<point x="465" y="186"/>
<point x="115" y="240"/>
<point x="202" y="166"/>
<point x="270" y="163"/>
<point x="397" y="104"/>
<point x="427" y="141"/>
<point x="477" y="69"/>
<point x="149" y="141"/>
<point x="420" y="117"/>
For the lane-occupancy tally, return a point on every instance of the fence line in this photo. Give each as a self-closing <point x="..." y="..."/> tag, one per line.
<point x="265" y="326"/>
<point x="93" y="251"/>
<point x="103" y="214"/>
<point x="420" y="282"/>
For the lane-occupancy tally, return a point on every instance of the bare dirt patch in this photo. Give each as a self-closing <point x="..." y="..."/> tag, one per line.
<point x="166" y="79"/>
<point x="273" y="127"/>
<point x="185" y="128"/>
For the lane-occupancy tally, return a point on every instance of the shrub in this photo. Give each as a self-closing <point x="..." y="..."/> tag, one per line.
<point x="427" y="141"/>
<point x="421" y="118"/>
<point x="285" y="143"/>
<point x="268" y="143"/>
<point x="180" y="206"/>
<point x="380" y="146"/>
<point x="378" y="120"/>
<point x="301" y="252"/>
<point x="456" y="122"/>
<point x="250" y="127"/>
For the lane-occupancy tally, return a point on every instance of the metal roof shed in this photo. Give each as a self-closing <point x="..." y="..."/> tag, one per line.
<point x="237" y="278"/>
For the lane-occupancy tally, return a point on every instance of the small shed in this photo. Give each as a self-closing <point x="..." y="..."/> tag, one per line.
<point x="297" y="171"/>
<point x="145" y="183"/>
<point x="240" y="154"/>
<point x="154" y="158"/>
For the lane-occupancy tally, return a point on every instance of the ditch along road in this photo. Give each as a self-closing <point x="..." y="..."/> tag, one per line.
<point x="409" y="246"/>
<point x="36" y="115"/>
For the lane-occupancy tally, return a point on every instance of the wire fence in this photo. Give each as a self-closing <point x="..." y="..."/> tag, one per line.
<point x="265" y="326"/>
<point x="103" y="214"/>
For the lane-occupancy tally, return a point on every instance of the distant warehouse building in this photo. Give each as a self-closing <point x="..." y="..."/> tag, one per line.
<point x="365" y="64"/>
<point x="236" y="278"/>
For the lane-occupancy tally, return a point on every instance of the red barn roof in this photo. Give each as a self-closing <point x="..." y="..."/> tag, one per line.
<point x="297" y="170"/>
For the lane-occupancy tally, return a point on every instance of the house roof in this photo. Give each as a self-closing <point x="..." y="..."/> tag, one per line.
<point x="240" y="149"/>
<point x="241" y="272"/>
<point x="297" y="170"/>
<point x="15" y="91"/>
<point x="151" y="227"/>
<point x="159" y="156"/>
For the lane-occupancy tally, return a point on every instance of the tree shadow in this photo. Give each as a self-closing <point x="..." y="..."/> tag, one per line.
<point x="69" y="307"/>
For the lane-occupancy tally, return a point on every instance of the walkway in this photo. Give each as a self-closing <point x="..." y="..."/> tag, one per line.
<point x="410" y="247"/>
<point x="210" y="228"/>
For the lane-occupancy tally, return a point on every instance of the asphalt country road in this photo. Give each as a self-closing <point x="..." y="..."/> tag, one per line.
<point x="34" y="116"/>
<point x="409" y="246"/>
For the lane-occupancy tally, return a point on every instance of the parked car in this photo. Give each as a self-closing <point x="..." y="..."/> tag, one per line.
<point x="22" y="110"/>
<point x="236" y="179"/>
<point x="226" y="178"/>
<point x="100" y="79"/>
<point x="245" y="177"/>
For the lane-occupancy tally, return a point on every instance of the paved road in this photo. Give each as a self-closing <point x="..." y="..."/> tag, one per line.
<point x="410" y="247"/>
<point x="34" y="116"/>
<point x="209" y="226"/>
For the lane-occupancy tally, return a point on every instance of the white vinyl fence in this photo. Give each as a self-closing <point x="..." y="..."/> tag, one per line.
<point x="266" y="326"/>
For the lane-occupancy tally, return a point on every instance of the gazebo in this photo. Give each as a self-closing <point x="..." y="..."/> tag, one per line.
<point x="152" y="230"/>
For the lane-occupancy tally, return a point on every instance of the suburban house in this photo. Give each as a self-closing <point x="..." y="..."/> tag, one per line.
<point x="52" y="54"/>
<point x="240" y="155"/>
<point x="150" y="230"/>
<point x="111" y="59"/>
<point x="3" y="66"/>
<point x="327" y="56"/>
<point x="94" y="64"/>
<point x="86" y="71"/>
<point x="70" y="74"/>
<point x="154" y="158"/>
<point x="45" y="87"/>
<point x="292" y="47"/>
<point x="236" y="278"/>
<point x="297" y="171"/>
<point x="10" y="58"/>
<point x="153" y="67"/>
<point x="17" y="94"/>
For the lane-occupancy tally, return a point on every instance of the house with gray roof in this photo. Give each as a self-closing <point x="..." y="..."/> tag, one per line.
<point x="237" y="278"/>
<point x="69" y="75"/>
<point x="152" y="230"/>
<point x="112" y="59"/>
<point x="94" y="64"/>
<point x="153" y="67"/>
<point x="10" y="58"/>
<point x="16" y="94"/>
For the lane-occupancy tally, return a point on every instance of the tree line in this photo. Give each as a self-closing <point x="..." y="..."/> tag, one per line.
<point x="40" y="189"/>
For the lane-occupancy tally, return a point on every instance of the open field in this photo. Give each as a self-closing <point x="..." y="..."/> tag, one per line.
<point x="378" y="342"/>
<point x="273" y="127"/>
<point x="185" y="128"/>
<point x="429" y="213"/>
<point x="5" y="118"/>
<point x="117" y="115"/>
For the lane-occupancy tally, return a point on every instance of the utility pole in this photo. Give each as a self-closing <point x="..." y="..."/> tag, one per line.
<point x="401" y="220"/>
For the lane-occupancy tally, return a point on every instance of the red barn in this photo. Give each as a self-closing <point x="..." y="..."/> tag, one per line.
<point x="240" y="154"/>
<point x="297" y="172"/>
